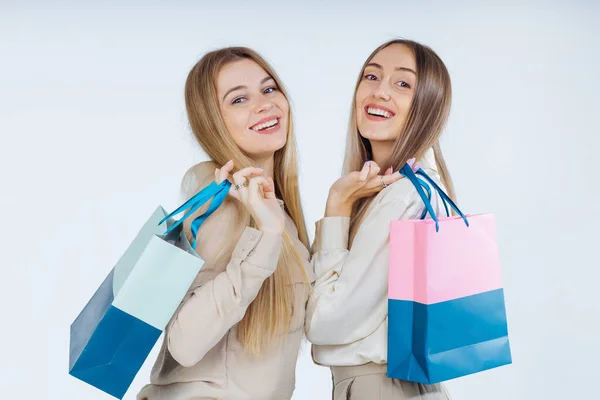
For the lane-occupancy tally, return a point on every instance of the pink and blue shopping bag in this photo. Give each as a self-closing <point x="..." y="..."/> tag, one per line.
<point x="446" y="312"/>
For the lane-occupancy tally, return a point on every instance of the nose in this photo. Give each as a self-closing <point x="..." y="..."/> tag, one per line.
<point x="263" y="106"/>
<point x="381" y="91"/>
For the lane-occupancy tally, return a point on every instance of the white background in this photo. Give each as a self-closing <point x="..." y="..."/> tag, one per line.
<point x="94" y="137"/>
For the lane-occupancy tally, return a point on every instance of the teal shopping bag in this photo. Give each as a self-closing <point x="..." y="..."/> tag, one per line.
<point x="113" y="335"/>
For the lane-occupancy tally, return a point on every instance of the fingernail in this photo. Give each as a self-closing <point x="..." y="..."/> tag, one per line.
<point x="391" y="170"/>
<point x="368" y="163"/>
<point x="417" y="167"/>
<point x="411" y="162"/>
<point x="229" y="162"/>
<point x="260" y="169"/>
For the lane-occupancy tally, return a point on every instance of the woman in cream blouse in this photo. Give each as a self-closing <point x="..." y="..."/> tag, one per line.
<point x="401" y="103"/>
<point x="237" y="333"/>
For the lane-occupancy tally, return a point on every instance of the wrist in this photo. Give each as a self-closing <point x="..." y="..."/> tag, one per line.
<point x="269" y="229"/>
<point x="338" y="206"/>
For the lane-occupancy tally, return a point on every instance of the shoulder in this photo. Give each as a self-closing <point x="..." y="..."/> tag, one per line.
<point x="399" y="192"/>
<point x="219" y="233"/>
<point x="403" y="195"/>
<point x="196" y="177"/>
<point x="404" y="191"/>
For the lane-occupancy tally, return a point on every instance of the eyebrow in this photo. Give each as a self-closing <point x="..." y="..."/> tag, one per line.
<point x="239" y="87"/>
<point x="395" y="69"/>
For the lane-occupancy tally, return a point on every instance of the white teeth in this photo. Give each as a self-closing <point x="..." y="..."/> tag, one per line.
<point x="379" y="112"/>
<point x="265" y="125"/>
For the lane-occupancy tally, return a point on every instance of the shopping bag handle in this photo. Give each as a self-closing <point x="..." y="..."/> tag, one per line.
<point x="446" y="199"/>
<point x="425" y="186"/>
<point x="218" y="193"/>
<point x="419" y="184"/>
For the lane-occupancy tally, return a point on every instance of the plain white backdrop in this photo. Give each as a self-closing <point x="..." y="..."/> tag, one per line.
<point x="94" y="137"/>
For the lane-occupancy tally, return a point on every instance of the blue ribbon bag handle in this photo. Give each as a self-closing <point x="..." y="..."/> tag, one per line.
<point x="419" y="184"/>
<point x="218" y="193"/>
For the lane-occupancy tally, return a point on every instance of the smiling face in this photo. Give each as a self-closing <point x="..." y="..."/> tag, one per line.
<point x="253" y="108"/>
<point x="385" y="93"/>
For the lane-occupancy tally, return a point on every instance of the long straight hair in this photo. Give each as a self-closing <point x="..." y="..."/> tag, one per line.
<point x="427" y="117"/>
<point x="270" y="312"/>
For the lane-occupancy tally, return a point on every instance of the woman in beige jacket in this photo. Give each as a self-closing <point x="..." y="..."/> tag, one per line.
<point x="401" y="103"/>
<point x="237" y="333"/>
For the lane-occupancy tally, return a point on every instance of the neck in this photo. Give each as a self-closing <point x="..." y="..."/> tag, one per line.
<point x="266" y="163"/>
<point x="381" y="152"/>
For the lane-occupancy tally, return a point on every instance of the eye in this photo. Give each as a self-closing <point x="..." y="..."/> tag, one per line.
<point x="370" y="77"/>
<point x="270" y="89"/>
<point x="238" y="100"/>
<point x="403" y="84"/>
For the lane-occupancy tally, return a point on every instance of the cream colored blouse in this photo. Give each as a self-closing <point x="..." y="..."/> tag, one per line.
<point x="347" y="315"/>
<point x="201" y="356"/>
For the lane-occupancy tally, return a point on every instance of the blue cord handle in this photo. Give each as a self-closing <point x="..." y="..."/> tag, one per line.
<point x="214" y="204"/>
<point x="428" y="189"/>
<point x="218" y="193"/>
<point x="426" y="186"/>
<point x="408" y="172"/>
<point x="419" y="184"/>
<point x="443" y="195"/>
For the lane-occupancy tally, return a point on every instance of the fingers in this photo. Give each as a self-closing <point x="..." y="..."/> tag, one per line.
<point x="370" y="169"/>
<point x="390" y="178"/>
<point x="239" y="178"/>
<point x="223" y="173"/>
<point x="269" y="189"/>
<point x="243" y="174"/>
<point x="226" y="170"/>
<point x="364" y="171"/>
<point x="253" y="185"/>
<point x="389" y="171"/>
<point x="373" y="171"/>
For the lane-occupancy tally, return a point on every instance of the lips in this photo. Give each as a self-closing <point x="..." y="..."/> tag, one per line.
<point x="376" y="112"/>
<point x="267" y="125"/>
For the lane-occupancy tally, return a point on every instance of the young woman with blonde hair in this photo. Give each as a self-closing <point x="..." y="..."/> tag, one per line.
<point x="237" y="333"/>
<point x="400" y="106"/>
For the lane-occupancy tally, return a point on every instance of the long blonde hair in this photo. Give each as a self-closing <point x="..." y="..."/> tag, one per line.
<point x="426" y="119"/>
<point x="270" y="312"/>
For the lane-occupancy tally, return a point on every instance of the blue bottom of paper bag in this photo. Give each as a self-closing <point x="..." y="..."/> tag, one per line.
<point x="115" y="352"/>
<point x="83" y="327"/>
<point x="438" y="342"/>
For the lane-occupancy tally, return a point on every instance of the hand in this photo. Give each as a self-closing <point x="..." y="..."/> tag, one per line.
<point x="261" y="204"/>
<point x="356" y="185"/>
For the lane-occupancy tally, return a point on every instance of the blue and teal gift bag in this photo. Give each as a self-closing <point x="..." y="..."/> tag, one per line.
<point x="113" y="335"/>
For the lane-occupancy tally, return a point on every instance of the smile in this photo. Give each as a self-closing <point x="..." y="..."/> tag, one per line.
<point x="379" y="112"/>
<point x="266" y="125"/>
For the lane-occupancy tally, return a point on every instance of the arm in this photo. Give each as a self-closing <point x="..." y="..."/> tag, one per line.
<point x="349" y="301"/>
<point x="218" y="304"/>
<point x="215" y="303"/>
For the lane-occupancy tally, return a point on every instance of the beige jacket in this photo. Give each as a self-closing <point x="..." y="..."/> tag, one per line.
<point x="347" y="315"/>
<point x="201" y="356"/>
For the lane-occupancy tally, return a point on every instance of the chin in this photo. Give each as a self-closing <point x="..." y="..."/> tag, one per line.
<point x="279" y="144"/>
<point x="376" y="135"/>
<point x="268" y="146"/>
